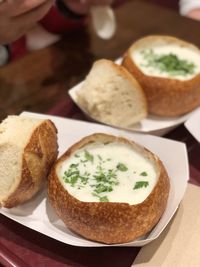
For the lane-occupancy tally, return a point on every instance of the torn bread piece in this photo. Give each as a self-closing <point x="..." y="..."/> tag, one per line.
<point x="112" y="96"/>
<point x="28" y="148"/>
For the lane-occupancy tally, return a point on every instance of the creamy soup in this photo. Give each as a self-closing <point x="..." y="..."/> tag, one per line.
<point x="168" y="61"/>
<point x="111" y="172"/>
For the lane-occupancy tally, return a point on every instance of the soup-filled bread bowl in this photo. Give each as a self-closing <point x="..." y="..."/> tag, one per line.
<point x="109" y="189"/>
<point x="168" y="70"/>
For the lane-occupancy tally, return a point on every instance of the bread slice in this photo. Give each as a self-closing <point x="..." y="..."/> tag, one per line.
<point x="112" y="96"/>
<point x="109" y="189"/>
<point x="168" y="70"/>
<point x="28" y="147"/>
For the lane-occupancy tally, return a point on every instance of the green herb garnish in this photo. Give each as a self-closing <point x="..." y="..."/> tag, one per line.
<point x="103" y="188"/>
<point x="122" y="167"/>
<point x="104" y="199"/>
<point x="143" y="174"/>
<point x="102" y="179"/>
<point x="72" y="176"/>
<point x="106" y="176"/>
<point x="101" y="199"/>
<point x="100" y="158"/>
<point x="169" y="63"/>
<point x="88" y="156"/>
<point x="84" y="179"/>
<point x="73" y="165"/>
<point x="141" y="184"/>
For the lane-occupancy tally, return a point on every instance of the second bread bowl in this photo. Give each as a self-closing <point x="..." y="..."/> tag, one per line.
<point x="109" y="189"/>
<point x="168" y="70"/>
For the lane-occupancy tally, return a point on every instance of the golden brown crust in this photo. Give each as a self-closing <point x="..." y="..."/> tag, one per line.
<point x="165" y="97"/>
<point x="39" y="154"/>
<point x="109" y="222"/>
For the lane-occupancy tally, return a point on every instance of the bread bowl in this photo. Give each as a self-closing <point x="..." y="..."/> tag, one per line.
<point x="28" y="148"/>
<point x="111" y="95"/>
<point x="108" y="189"/>
<point x="168" y="70"/>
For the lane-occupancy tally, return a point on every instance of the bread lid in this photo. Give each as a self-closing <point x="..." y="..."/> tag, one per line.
<point x="111" y="95"/>
<point x="28" y="147"/>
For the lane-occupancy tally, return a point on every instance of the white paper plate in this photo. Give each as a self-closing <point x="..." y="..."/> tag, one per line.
<point x="152" y="124"/>
<point x="193" y="125"/>
<point x="38" y="215"/>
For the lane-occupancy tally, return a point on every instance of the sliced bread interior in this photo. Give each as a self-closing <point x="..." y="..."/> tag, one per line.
<point x="110" y="94"/>
<point x="28" y="147"/>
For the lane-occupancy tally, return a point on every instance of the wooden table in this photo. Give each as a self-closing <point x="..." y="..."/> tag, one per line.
<point x="39" y="83"/>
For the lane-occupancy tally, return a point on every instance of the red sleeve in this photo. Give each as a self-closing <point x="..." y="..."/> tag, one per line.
<point x="57" y="23"/>
<point x="54" y="22"/>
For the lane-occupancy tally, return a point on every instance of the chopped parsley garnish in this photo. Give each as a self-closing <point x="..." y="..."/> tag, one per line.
<point x="72" y="176"/>
<point x="88" y="156"/>
<point x="73" y="165"/>
<point x="101" y="199"/>
<point x="100" y="158"/>
<point x="103" y="188"/>
<point x="143" y="174"/>
<point x="122" y="167"/>
<point x="141" y="184"/>
<point x="102" y="179"/>
<point x="169" y="63"/>
<point x="104" y="199"/>
<point x="106" y="176"/>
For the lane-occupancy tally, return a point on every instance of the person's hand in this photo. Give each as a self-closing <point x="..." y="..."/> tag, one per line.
<point x="18" y="16"/>
<point x="194" y="14"/>
<point x="83" y="6"/>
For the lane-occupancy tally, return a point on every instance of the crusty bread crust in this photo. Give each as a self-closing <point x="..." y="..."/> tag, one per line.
<point x="39" y="154"/>
<point x="109" y="222"/>
<point x="165" y="97"/>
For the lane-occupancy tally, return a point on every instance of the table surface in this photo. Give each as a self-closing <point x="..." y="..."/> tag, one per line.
<point x="39" y="83"/>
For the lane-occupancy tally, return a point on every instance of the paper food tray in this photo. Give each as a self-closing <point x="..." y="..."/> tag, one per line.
<point x="38" y="215"/>
<point x="193" y="125"/>
<point x="156" y="125"/>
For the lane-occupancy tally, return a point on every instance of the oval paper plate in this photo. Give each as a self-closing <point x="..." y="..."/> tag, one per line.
<point x="38" y="215"/>
<point x="152" y="124"/>
<point x="193" y="125"/>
